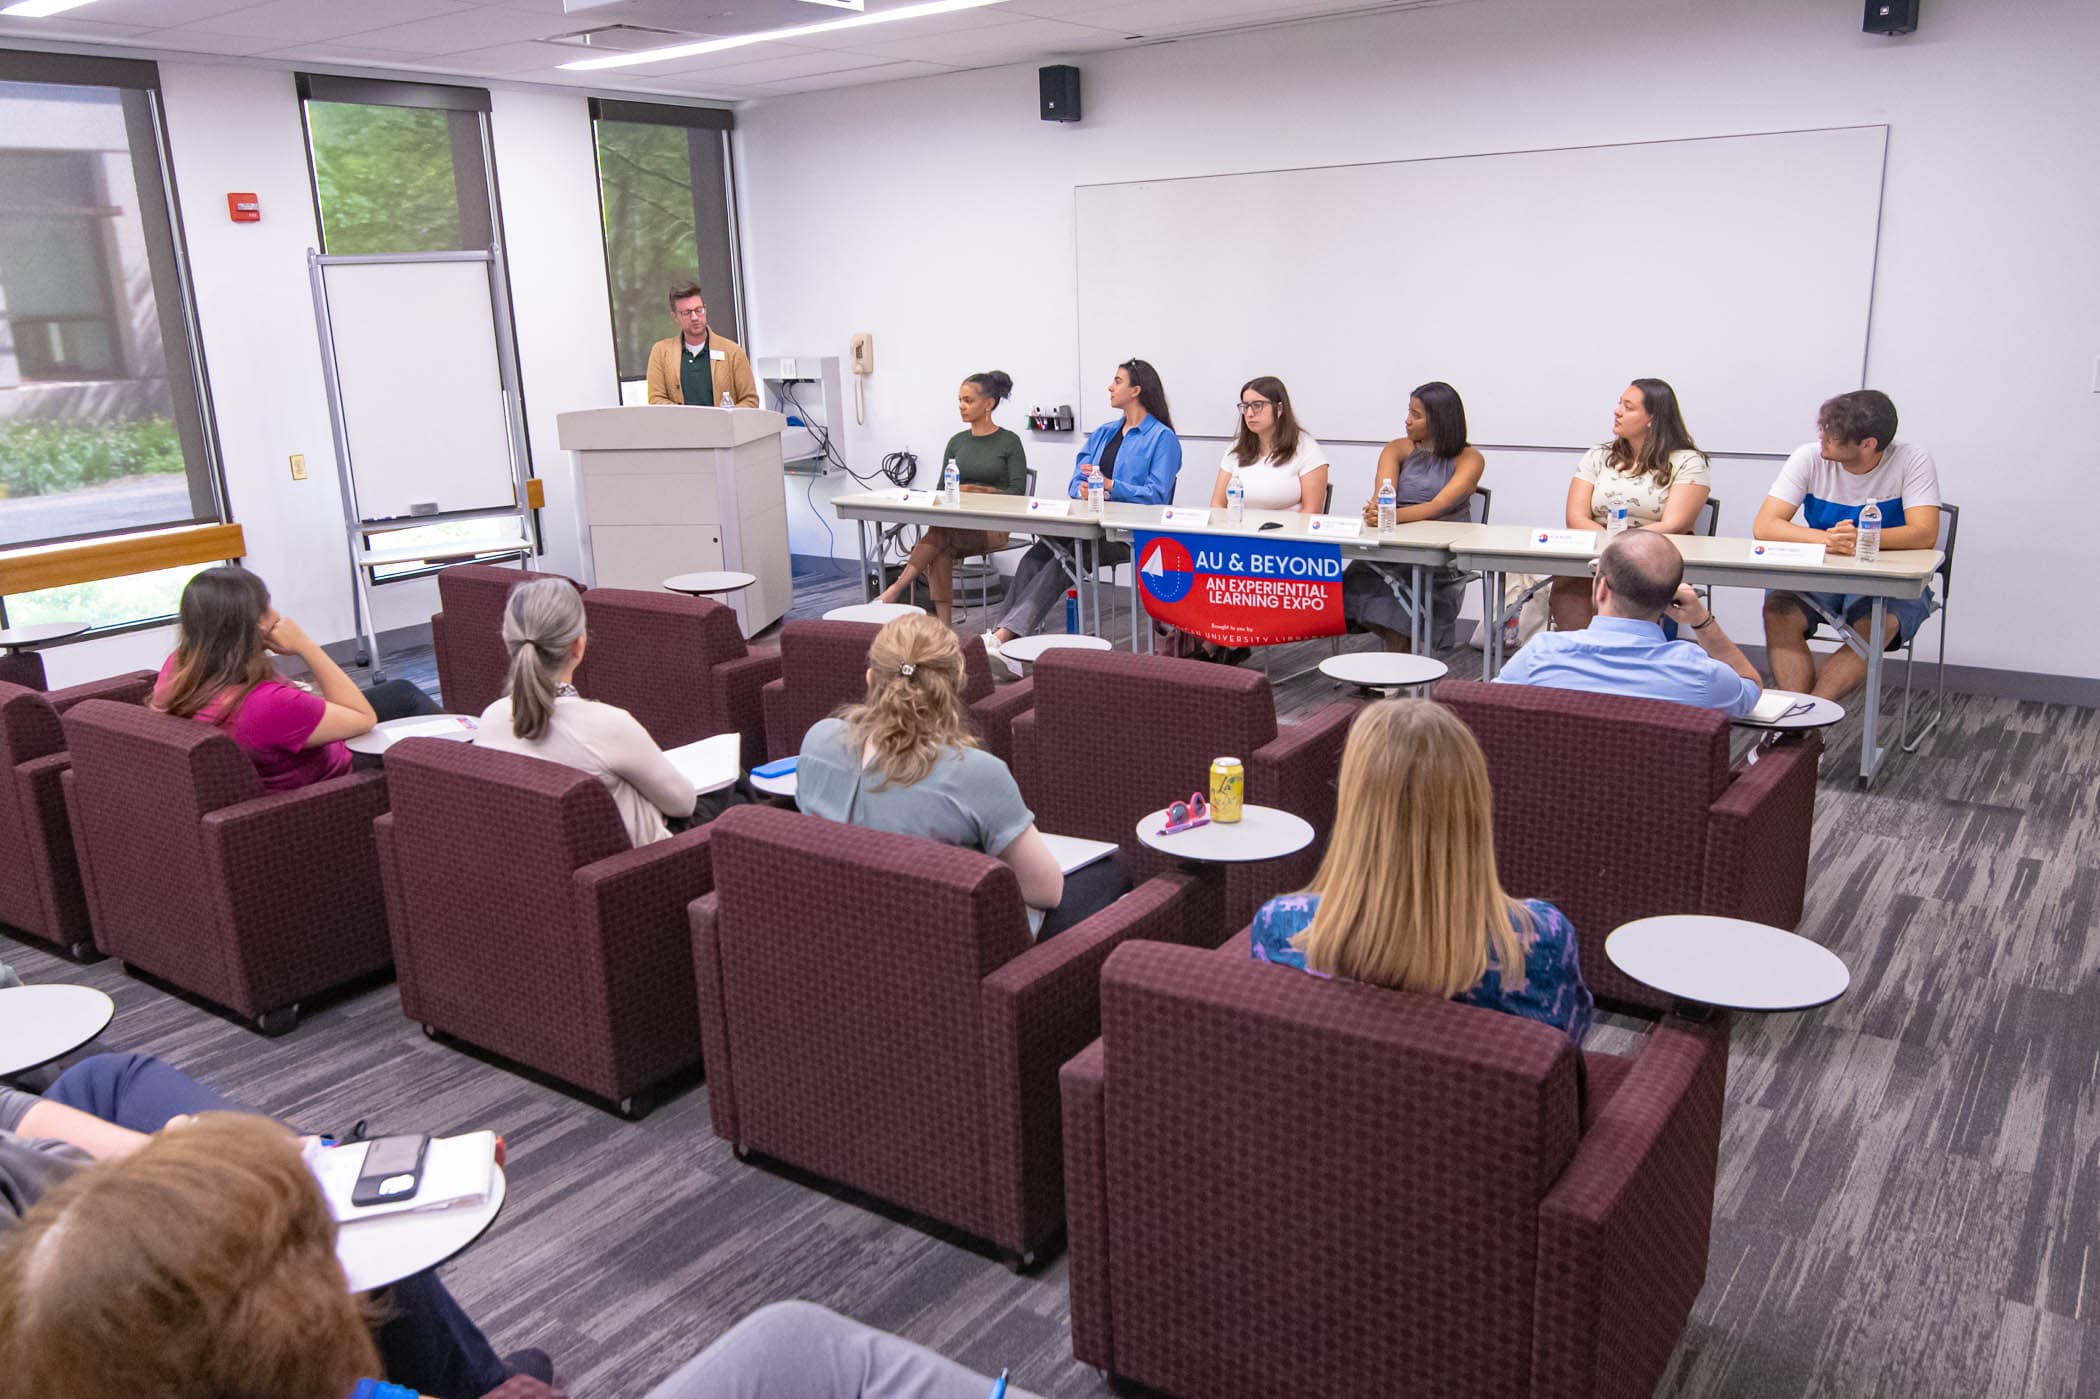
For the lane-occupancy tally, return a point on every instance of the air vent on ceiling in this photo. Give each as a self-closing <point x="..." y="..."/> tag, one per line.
<point x="620" y="38"/>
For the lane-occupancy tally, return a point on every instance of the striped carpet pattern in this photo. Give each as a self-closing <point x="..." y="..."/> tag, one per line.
<point x="1908" y="1181"/>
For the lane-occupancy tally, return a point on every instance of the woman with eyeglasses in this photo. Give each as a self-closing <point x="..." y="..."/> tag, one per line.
<point x="903" y="760"/>
<point x="1434" y="471"/>
<point x="1279" y="464"/>
<point x="1407" y="895"/>
<point x="1138" y="457"/>
<point x="1651" y="466"/>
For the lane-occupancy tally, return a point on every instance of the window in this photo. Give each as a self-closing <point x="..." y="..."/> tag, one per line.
<point x="104" y="420"/>
<point x="664" y="185"/>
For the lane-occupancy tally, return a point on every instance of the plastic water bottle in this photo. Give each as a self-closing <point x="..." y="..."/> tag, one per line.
<point x="1619" y="517"/>
<point x="1869" y="547"/>
<point x="1096" y="490"/>
<point x="1388" y="505"/>
<point x="1071" y="612"/>
<point x="728" y="402"/>
<point x="1235" y="499"/>
<point x="951" y="483"/>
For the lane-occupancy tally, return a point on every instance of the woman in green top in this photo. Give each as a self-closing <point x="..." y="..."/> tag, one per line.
<point x="990" y="459"/>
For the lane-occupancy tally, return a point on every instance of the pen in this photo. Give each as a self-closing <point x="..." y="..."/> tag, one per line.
<point x="999" y="1386"/>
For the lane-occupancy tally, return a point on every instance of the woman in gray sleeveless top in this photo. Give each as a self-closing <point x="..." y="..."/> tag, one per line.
<point x="1434" y="471"/>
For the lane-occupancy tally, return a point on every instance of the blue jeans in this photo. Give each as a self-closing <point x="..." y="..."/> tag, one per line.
<point x="427" y="1343"/>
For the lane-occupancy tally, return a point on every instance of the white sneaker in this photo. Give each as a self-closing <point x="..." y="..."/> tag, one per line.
<point x="997" y="656"/>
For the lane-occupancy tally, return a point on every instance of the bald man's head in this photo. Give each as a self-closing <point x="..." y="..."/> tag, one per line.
<point x="1642" y="570"/>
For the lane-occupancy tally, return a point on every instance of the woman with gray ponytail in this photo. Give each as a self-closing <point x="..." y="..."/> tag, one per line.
<point x="904" y="761"/>
<point x="542" y="716"/>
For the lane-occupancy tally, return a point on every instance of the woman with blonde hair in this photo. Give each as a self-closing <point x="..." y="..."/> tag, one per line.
<point x="904" y="760"/>
<point x="1407" y="895"/>
<point x="542" y="716"/>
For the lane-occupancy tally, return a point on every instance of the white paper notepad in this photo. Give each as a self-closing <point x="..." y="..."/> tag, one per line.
<point x="456" y="1171"/>
<point x="1075" y="854"/>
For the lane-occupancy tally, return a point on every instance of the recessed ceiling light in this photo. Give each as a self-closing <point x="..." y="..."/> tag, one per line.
<point x="38" y="9"/>
<point x="625" y="60"/>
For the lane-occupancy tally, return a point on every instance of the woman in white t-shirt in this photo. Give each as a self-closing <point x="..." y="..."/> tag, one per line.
<point x="1278" y="462"/>
<point x="1651" y="465"/>
<point x="542" y="716"/>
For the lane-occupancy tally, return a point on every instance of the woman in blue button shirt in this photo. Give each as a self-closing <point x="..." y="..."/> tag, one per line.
<point x="1407" y="895"/>
<point x="1138" y="455"/>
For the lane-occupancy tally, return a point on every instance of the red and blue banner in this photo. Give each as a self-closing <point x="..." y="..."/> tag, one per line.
<point x="1241" y="591"/>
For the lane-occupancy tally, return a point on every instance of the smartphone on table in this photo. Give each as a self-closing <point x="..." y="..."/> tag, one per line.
<point x="393" y="1170"/>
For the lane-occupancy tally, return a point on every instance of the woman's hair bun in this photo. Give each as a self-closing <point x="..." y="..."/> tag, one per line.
<point x="996" y="382"/>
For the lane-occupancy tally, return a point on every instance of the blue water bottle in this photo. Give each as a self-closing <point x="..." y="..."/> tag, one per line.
<point x="1071" y="612"/>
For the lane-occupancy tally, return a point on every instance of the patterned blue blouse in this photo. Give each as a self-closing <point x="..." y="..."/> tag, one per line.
<point x="1553" y="991"/>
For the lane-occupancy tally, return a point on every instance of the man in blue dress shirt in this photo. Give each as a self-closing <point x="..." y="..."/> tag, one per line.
<point x="1639" y="581"/>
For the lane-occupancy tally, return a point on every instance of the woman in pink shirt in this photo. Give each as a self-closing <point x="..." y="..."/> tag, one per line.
<point x="221" y="674"/>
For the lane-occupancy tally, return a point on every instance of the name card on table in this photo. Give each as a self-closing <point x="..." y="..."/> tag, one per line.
<point x="1181" y="515"/>
<point x="1564" y="540"/>
<point x="1335" y="526"/>
<point x="907" y="496"/>
<point x="1049" y="507"/>
<point x="1772" y="551"/>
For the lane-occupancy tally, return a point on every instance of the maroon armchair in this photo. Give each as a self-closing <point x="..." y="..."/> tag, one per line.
<point x="1615" y="809"/>
<point x="23" y="668"/>
<point x="874" y="1012"/>
<point x="1110" y="736"/>
<point x="466" y="633"/>
<point x="1280" y="1184"/>
<point x="824" y="665"/>
<point x="194" y="874"/>
<point x="524" y="922"/>
<point x="40" y="891"/>
<point x="679" y="665"/>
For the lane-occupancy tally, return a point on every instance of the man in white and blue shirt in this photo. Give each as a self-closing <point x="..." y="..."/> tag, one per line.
<point x="1639" y="581"/>
<point x="1816" y="500"/>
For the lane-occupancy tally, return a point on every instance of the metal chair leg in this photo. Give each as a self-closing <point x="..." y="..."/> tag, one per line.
<point x="1939" y="702"/>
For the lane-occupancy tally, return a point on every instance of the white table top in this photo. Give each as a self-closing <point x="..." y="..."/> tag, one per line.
<point x="1381" y="669"/>
<point x="15" y="638"/>
<point x="376" y="1252"/>
<point x="1029" y="649"/>
<point x="1728" y="962"/>
<point x="877" y="612"/>
<point x="988" y="510"/>
<point x="458" y="728"/>
<point x="717" y="581"/>
<point x="1821" y="713"/>
<point x="1261" y="833"/>
<point x="782" y="786"/>
<point x="39" y="1023"/>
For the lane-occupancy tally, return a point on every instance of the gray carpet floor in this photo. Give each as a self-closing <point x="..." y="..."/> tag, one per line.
<point x="1906" y="1205"/>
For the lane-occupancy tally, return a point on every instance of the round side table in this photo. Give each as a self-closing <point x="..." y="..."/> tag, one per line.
<point x="1731" y="963"/>
<point x="40" y="1023"/>
<point x="1027" y="650"/>
<point x="700" y="584"/>
<point x="1383" y="670"/>
<point x="876" y="612"/>
<point x="1802" y="712"/>
<point x="1261" y="833"/>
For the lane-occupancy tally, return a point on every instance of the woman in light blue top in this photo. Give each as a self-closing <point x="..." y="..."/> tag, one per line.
<point x="904" y="761"/>
<point x="1407" y="896"/>
<point x="1138" y="455"/>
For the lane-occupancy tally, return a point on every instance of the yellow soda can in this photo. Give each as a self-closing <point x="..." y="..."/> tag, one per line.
<point x="1228" y="789"/>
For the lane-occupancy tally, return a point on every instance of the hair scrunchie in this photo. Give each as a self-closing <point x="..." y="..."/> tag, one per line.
<point x="907" y="670"/>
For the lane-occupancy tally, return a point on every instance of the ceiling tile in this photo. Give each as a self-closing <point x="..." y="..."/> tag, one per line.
<point x="514" y="58"/>
<point x="197" y="41"/>
<point x="803" y="65"/>
<point x="711" y="62"/>
<point x="1008" y="43"/>
<point x="60" y="28"/>
<point x="297" y="21"/>
<point x="889" y="72"/>
<point x="163" y="14"/>
<point x="986" y="17"/>
<point x="478" y="27"/>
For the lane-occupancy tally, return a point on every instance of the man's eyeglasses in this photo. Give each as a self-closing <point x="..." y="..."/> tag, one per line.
<point x="1248" y="405"/>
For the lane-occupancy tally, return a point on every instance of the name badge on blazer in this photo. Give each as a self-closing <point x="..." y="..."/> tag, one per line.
<point x="717" y="354"/>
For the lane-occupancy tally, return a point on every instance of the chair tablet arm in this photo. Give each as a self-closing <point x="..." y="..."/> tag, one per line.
<point x="714" y="1016"/>
<point x="130" y="688"/>
<point x="1040" y="1009"/>
<point x="1623" y="1233"/>
<point x="1757" y="840"/>
<point x="993" y="716"/>
<point x="1086" y="1205"/>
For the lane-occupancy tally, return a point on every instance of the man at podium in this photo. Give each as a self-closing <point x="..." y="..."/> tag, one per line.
<point x="696" y="365"/>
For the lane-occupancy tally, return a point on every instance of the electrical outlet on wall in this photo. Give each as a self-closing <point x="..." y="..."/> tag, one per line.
<point x="298" y="466"/>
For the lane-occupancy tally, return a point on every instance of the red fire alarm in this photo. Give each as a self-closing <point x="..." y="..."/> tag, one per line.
<point x="244" y="208"/>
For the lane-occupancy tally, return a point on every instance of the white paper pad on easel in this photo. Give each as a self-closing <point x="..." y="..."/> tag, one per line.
<point x="1075" y="854"/>
<point x="710" y="764"/>
<point x="456" y="1171"/>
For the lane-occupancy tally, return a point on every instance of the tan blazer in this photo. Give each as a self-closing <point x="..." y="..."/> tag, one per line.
<point x="732" y="371"/>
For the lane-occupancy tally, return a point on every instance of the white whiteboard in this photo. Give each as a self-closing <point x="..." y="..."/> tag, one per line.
<point x="423" y="405"/>
<point x="1537" y="283"/>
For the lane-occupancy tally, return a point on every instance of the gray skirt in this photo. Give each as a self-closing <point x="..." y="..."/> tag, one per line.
<point x="1380" y="595"/>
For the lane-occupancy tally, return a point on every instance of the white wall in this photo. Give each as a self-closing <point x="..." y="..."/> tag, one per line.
<point x="937" y="214"/>
<point x="238" y="128"/>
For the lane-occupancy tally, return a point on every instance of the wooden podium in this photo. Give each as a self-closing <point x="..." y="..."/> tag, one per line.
<point x="671" y="489"/>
